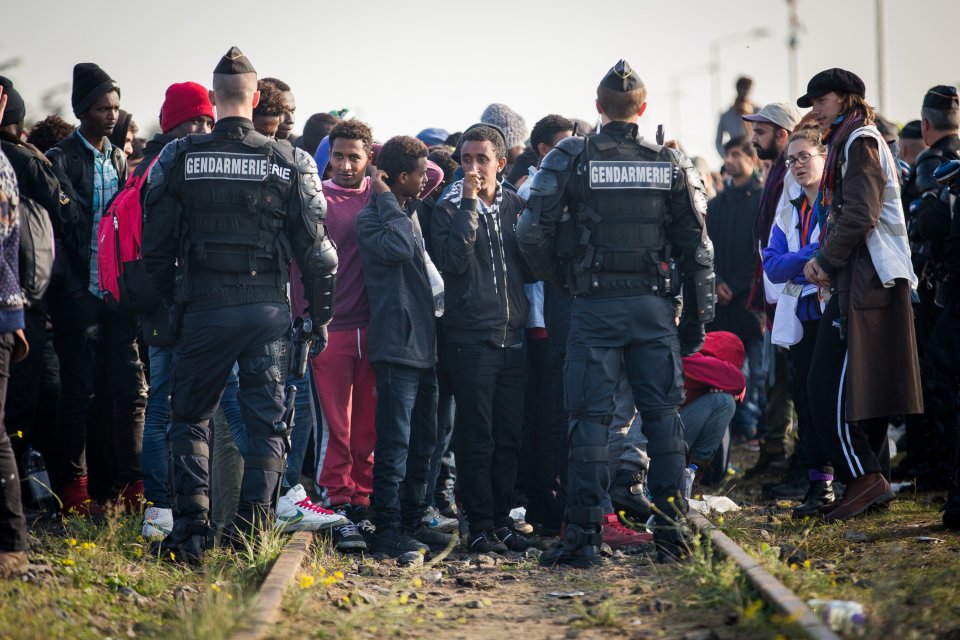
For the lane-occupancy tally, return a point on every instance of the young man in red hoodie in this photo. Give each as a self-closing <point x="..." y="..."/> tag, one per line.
<point x="344" y="377"/>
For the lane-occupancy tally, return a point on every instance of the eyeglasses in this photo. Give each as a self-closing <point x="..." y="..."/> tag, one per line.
<point x="802" y="158"/>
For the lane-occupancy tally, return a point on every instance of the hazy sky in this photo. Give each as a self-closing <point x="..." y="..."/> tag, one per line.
<point x="404" y="66"/>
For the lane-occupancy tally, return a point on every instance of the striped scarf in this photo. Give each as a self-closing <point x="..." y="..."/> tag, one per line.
<point x="835" y="138"/>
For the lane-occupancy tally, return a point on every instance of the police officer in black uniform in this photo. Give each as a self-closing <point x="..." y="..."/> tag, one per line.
<point x="619" y="222"/>
<point x="928" y="206"/>
<point x="224" y="214"/>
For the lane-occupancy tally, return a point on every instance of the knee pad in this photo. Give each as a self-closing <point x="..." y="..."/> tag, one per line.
<point x="264" y="365"/>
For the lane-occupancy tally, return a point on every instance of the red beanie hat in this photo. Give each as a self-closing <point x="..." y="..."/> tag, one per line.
<point x="184" y="101"/>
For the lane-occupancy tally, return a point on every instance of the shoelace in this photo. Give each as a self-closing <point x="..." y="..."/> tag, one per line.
<point x="366" y="527"/>
<point x="347" y="530"/>
<point x="306" y="503"/>
<point x="619" y="528"/>
<point x="483" y="537"/>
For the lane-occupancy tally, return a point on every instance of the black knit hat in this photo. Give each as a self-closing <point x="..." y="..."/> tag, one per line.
<point x="89" y="83"/>
<point x="16" y="111"/>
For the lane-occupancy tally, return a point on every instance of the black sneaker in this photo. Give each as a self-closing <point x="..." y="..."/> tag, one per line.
<point x="347" y="537"/>
<point x="516" y="541"/>
<point x="485" y="542"/>
<point x="433" y="538"/>
<point x="395" y="543"/>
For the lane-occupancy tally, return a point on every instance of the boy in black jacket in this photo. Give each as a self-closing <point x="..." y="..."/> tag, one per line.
<point x="474" y="237"/>
<point x="402" y="347"/>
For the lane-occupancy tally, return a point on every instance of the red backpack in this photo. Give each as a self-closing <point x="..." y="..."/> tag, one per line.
<point x="122" y="274"/>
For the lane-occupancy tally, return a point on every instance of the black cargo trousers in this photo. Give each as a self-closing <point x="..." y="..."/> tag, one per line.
<point x="256" y="337"/>
<point x="637" y="333"/>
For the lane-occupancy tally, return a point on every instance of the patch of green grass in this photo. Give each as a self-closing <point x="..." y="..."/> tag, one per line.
<point x="99" y="579"/>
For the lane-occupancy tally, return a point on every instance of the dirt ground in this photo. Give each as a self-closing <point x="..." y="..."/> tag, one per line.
<point x="507" y="597"/>
<point x="900" y="564"/>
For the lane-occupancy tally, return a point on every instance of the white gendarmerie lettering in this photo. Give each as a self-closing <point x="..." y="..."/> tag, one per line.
<point x="624" y="174"/>
<point x="213" y="165"/>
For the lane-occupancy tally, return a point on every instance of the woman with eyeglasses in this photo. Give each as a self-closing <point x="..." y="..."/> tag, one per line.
<point x="864" y="367"/>
<point x="794" y="236"/>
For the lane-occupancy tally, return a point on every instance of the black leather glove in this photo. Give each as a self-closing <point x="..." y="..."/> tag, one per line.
<point x="319" y="340"/>
<point x="691" y="334"/>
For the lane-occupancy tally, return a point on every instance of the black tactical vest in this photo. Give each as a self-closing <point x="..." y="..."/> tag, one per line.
<point x="625" y="187"/>
<point x="234" y="194"/>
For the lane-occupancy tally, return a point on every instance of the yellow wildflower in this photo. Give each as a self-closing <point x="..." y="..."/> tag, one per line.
<point x="216" y="588"/>
<point x="338" y="575"/>
<point x="419" y="620"/>
<point x="173" y="556"/>
<point x="321" y="572"/>
<point x="806" y="564"/>
<point x="229" y="597"/>
<point x="306" y="581"/>
<point x="417" y="582"/>
<point x="72" y="542"/>
<point x="669" y="498"/>
<point x="68" y="562"/>
<point x="89" y="545"/>
<point x="440" y="614"/>
<point x="404" y="598"/>
<point x="329" y="580"/>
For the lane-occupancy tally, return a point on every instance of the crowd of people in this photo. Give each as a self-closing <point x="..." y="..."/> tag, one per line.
<point x="229" y="326"/>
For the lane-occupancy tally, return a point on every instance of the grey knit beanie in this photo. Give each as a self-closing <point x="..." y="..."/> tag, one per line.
<point x="513" y="125"/>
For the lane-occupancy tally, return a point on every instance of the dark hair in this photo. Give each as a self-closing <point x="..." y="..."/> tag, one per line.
<point x="49" y="132"/>
<point x="279" y="84"/>
<point x="741" y="142"/>
<point x="399" y="155"/>
<point x="744" y="84"/>
<point x="271" y="100"/>
<point x="453" y="139"/>
<point x="443" y="158"/>
<point x="547" y="129"/>
<point x="353" y="130"/>
<point x="521" y="166"/>
<point x="620" y="105"/>
<point x="484" y="133"/>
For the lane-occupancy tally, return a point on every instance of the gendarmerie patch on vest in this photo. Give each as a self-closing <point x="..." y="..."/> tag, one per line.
<point x="624" y="174"/>
<point x="211" y="165"/>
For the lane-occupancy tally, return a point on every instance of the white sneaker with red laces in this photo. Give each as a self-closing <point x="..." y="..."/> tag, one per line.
<point x="296" y="512"/>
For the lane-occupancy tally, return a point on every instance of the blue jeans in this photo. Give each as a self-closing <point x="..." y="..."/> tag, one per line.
<point x="153" y="459"/>
<point x="750" y="414"/>
<point x="406" y="424"/>
<point x="704" y="422"/>
<point x="231" y="409"/>
<point x="304" y="423"/>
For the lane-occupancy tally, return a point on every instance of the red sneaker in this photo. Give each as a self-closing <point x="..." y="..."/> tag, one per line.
<point x="77" y="500"/>
<point x="618" y="536"/>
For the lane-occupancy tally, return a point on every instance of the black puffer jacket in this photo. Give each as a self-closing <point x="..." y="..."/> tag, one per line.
<point x="483" y="271"/>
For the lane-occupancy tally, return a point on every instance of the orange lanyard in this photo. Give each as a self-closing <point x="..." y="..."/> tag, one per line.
<point x="805" y="218"/>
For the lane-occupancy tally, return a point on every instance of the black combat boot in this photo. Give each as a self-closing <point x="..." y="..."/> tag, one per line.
<point x="186" y="543"/>
<point x="673" y="541"/>
<point x="626" y="493"/>
<point x="819" y="495"/>
<point x="579" y="548"/>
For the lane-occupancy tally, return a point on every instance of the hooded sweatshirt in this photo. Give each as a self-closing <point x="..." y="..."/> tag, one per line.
<point x="352" y="310"/>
